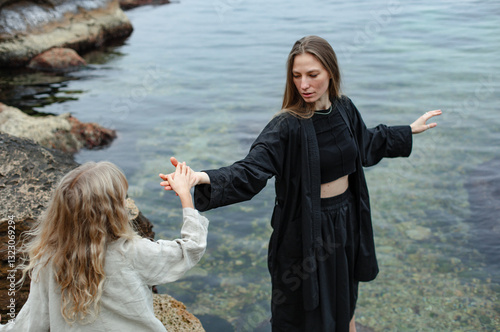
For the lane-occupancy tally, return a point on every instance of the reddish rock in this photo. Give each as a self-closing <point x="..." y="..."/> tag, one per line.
<point x="128" y="4"/>
<point x="57" y="59"/>
<point x="91" y="134"/>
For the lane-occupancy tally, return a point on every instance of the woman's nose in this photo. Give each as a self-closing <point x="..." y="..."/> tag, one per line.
<point x="304" y="84"/>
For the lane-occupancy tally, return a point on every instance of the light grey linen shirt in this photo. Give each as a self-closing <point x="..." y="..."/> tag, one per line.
<point x="132" y="267"/>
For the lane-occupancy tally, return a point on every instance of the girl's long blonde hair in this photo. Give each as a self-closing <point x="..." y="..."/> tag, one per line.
<point x="86" y="212"/>
<point x="324" y="53"/>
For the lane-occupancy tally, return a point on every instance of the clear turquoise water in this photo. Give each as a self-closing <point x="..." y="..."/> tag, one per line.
<point x="199" y="80"/>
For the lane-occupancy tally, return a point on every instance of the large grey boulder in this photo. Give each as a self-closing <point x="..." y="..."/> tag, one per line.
<point x="28" y="28"/>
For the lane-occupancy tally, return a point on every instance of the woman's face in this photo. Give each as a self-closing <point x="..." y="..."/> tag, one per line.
<point x="311" y="80"/>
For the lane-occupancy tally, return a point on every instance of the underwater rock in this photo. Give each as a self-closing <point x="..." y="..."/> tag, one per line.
<point x="28" y="28"/>
<point x="174" y="315"/>
<point x="129" y="4"/>
<point x="419" y="233"/>
<point x="62" y="132"/>
<point x="57" y="59"/>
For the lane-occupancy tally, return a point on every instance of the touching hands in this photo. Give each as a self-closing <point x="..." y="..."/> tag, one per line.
<point x="419" y="126"/>
<point x="181" y="182"/>
<point x="196" y="178"/>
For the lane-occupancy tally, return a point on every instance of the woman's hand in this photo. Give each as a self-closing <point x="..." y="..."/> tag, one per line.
<point x="419" y="126"/>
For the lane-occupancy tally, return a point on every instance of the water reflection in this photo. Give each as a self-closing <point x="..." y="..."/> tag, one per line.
<point x="31" y="90"/>
<point x="28" y="90"/>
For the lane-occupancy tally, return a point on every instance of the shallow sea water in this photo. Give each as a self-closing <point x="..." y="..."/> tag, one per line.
<point x="199" y="80"/>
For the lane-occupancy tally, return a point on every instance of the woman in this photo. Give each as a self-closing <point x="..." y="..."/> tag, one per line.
<point x="322" y="242"/>
<point x="90" y="270"/>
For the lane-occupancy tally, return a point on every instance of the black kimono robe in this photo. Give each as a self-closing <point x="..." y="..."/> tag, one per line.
<point x="288" y="150"/>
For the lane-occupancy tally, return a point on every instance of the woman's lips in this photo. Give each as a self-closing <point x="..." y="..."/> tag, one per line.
<point x="307" y="95"/>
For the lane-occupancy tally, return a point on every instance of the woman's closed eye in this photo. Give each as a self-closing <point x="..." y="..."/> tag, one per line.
<point x="310" y="75"/>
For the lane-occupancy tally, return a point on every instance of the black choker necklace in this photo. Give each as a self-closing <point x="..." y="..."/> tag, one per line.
<point x="325" y="112"/>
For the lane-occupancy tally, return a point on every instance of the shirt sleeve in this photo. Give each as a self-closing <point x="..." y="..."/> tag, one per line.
<point x="165" y="261"/>
<point x="381" y="141"/>
<point x="245" y="178"/>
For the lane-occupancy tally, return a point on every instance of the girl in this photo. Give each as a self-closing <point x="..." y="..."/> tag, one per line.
<point x="90" y="270"/>
<point x="322" y="243"/>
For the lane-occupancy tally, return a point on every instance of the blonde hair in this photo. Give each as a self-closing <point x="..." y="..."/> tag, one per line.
<point x="324" y="53"/>
<point x="86" y="212"/>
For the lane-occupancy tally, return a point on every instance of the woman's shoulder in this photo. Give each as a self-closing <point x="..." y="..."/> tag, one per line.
<point x="286" y="123"/>
<point x="347" y="104"/>
<point x="345" y="100"/>
<point x="282" y="115"/>
<point x="286" y="119"/>
<point x="278" y="129"/>
<point x="278" y="122"/>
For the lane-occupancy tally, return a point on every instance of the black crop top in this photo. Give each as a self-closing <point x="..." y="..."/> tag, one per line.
<point x="337" y="148"/>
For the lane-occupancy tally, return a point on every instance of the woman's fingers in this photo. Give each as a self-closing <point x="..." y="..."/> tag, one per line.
<point x="420" y="124"/>
<point x="431" y="114"/>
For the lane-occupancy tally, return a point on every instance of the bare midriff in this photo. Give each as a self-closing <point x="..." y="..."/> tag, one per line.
<point x="335" y="187"/>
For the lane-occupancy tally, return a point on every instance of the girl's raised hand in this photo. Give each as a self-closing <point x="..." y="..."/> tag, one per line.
<point x="181" y="180"/>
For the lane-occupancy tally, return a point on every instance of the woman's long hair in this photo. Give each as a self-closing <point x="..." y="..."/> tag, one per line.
<point x="324" y="53"/>
<point x="86" y="212"/>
